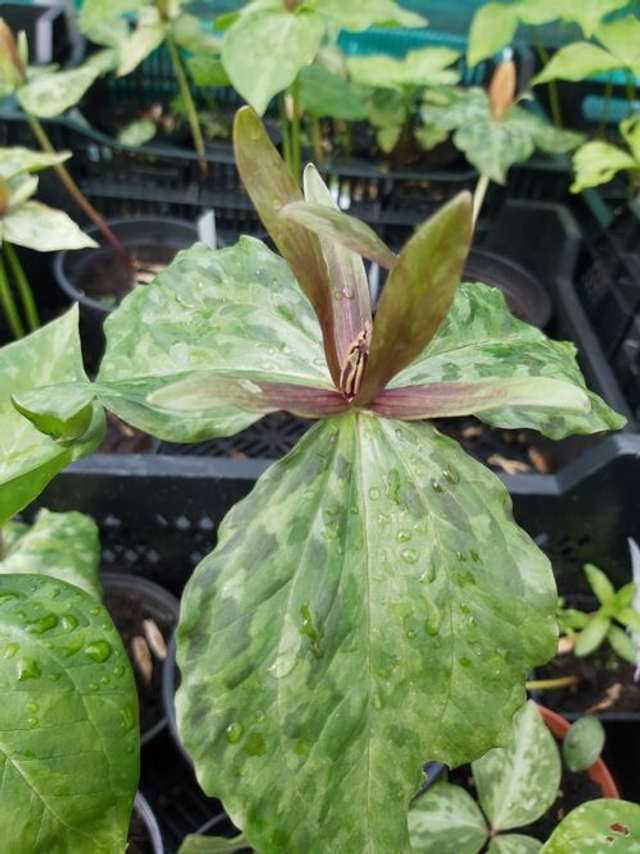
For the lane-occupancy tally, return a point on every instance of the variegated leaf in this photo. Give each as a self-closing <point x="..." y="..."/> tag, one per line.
<point x="479" y="339"/>
<point x="232" y="311"/>
<point x="390" y="607"/>
<point x="597" y="826"/>
<point x="49" y="95"/>
<point x="29" y="459"/>
<point x="40" y="227"/>
<point x="514" y="843"/>
<point x="16" y="159"/>
<point x="446" y="820"/>
<point x="62" y="545"/>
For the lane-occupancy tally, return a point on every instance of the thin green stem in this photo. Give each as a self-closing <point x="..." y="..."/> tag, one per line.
<point x="296" y="144"/>
<point x="10" y="309"/>
<point x="286" y="139"/>
<point x="631" y="91"/>
<point x="24" y="288"/>
<point x="316" y="138"/>
<point x="478" y="196"/>
<point x="187" y="99"/>
<point x="552" y="86"/>
<point x="77" y="195"/>
<point x="551" y="684"/>
<point x="604" y="112"/>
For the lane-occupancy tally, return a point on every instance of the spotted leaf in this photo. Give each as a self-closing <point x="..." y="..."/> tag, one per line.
<point x="597" y="826"/>
<point x="446" y="820"/>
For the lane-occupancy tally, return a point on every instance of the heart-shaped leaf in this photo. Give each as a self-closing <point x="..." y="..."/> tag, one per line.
<point x="517" y="784"/>
<point x="429" y="66"/>
<point x="446" y="820"/>
<point x="577" y="61"/>
<point x="44" y="229"/>
<point x="480" y="339"/>
<point x="514" y="843"/>
<point x="29" y="459"/>
<point x="61" y="545"/>
<point x="69" y="760"/>
<point x="602" y="825"/>
<point x="390" y="608"/>
<point x="323" y="93"/>
<point x="49" y="95"/>
<point x="360" y="16"/>
<point x="583" y="744"/>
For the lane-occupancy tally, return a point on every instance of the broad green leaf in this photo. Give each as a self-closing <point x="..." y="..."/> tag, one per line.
<point x="577" y="61"/>
<point x="592" y="635"/>
<point x="392" y="588"/>
<point x="16" y="159"/>
<point x="207" y="71"/>
<point x="429" y="66"/>
<point x="137" y="133"/>
<point x="51" y="94"/>
<point x="597" y="163"/>
<point x="514" y="843"/>
<point x="109" y="32"/>
<point x="62" y="411"/>
<point x="69" y="760"/>
<point x="325" y="94"/>
<point x="96" y="12"/>
<point x="621" y="643"/>
<point x="28" y="459"/>
<point x="349" y="287"/>
<point x="418" y="293"/>
<point x="243" y="311"/>
<point x="480" y="339"/>
<point x="622" y="39"/>
<point x="286" y="43"/>
<point x="446" y="820"/>
<point x="629" y="617"/>
<point x="144" y="40"/>
<point x="517" y="784"/>
<point x="60" y="545"/>
<point x="40" y="227"/>
<point x="271" y="186"/>
<point x="212" y="845"/>
<point x="583" y="744"/>
<point x="494" y="26"/>
<point x="600" y="584"/>
<point x="360" y="16"/>
<point x="343" y="229"/>
<point x="597" y="827"/>
<point x="588" y="13"/>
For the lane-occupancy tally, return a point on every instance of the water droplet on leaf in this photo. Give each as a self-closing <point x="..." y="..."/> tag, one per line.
<point x="99" y="650"/>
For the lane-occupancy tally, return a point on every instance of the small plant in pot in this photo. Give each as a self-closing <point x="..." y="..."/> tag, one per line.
<point x="25" y="222"/>
<point x="596" y="666"/>
<point x="372" y="596"/>
<point x="523" y="790"/>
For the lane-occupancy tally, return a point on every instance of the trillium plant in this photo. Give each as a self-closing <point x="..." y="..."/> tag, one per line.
<point x="371" y="604"/>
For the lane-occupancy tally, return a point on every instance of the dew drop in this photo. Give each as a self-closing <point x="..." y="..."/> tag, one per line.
<point x="451" y="475"/>
<point x="42" y="624"/>
<point x="7" y="596"/>
<point x="32" y="708"/>
<point x="403" y="536"/>
<point x="434" y="621"/>
<point x="374" y="493"/>
<point x="94" y="686"/>
<point x="118" y="670"/>
<point x="428" y="576"/>
<point x="99" y="650"/>
<point x="68" y="622"/>
<point x="94" y="611"/>
<point x="28" y="668"/>
<point x="348" y="293"/>
<point x="377" y="702"/>
<point x="411" y="634"/>
<point x="437" y="487"/>
<point x="33" y="722"/>
<point x="74" y="646"/>
<point x="55" y="676"/>
<point x="301" y="749"/>
<point x="255" y="745"/>
<point x="128" y="718"/>
<point x="12" y="649"/>
<point x="409" y="555"/>
<point x="465" y="662"/>
<point x="233" y="733"/>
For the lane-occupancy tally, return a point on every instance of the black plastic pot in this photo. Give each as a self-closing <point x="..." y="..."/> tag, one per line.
<point x="159" y="605"/>
<point x="68" y="266"/>
<point x="145" y="814"/>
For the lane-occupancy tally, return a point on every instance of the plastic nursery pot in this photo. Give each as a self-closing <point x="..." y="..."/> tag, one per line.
<point x="525" y="295"/>
<point x="598" y="773"/>
<point x="144" y="830"/>
<point x="135" y="603"/>
<point x="95" y="278"/>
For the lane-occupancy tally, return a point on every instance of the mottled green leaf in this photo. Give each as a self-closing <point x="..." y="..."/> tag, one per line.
<point x="323" y="93"/>
<point x="137" y="133"/>
<point x="243" y="311"/>
<point x="622" y="39"/>
<point x="343" y="229"/>
<point x="28" y="459"/>
<point x="446" y="820"/>
<point x="16" y="159"/>
<point x="514" y="843"/>
<point x="362" y="15"/>
<point x="489" y="144"/>
<point x="583" y="744"/>
<point x="49" y="95"/>
<point x="60" y="545"/>
<point x="148" y="35"/>
<point x="69" y="760"/>
<point x="592" y="635"/>
<point x="598" y="162"/>
<point x="577" y="61"/>
<point x="597" y="827"/>
<point x="271" y="186"/>
<point x="600" y="584"/>
<point x="429" y="66"/>
<point x="390" y="608"/>
<point x="418" y="293"/>
<point x="264" y="52"/>
<point x="517" y="784"/>
<point x="62" y="411"/>
<point x="480" y="339"/>
<point x="45" y="229"/>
